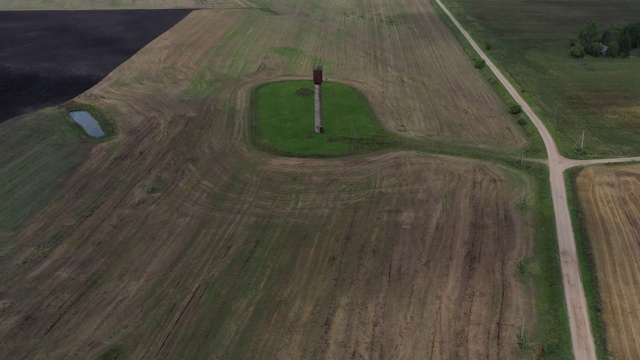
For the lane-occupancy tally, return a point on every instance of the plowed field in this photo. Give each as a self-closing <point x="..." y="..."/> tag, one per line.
<point x="611" y="205"/>
<point x="176" y="240"/>
<point x="48" y="58"/>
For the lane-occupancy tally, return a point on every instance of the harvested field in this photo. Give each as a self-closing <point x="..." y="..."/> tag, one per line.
<point x="50" y="57"/>
<point x="278" y="262"/>
<point x="174" y="240"/>
<point x="611" y="206"/>
<point x="122" y="4"/>
<point x="383" y="50"/>
<point x="417" y="78"/>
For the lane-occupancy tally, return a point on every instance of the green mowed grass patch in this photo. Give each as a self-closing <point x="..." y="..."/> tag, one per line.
<point x="285" y="121"/>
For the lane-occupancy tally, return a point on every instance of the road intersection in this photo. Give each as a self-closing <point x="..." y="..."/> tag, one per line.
<point x="581" y="334"/>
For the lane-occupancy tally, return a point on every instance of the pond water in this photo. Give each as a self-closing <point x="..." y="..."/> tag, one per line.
<point x="88" y="123"/>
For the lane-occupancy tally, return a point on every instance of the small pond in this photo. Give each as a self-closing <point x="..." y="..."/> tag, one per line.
<point x="87" y="122"/>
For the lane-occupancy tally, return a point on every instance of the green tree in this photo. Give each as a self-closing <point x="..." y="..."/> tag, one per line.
<point x="624" y="43"/>
<point x="619" y="41"/>
<point x="610" y="38"/>
<point x="593" y="49"/>
<point x="633" y="30"/>
<point x="590" y="33"/>
<point x="577" y="51"/>
<point x="613" y="49"/>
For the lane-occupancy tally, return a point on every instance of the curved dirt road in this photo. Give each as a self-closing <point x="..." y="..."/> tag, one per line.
<point x="581" y="336"/>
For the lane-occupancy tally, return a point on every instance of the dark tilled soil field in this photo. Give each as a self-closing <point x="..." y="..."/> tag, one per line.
<point x="48" y="57"/>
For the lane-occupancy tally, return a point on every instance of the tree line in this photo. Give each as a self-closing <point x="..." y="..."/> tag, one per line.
<point x="612" y="42"/>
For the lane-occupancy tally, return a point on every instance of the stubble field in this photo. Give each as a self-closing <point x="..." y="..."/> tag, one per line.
<point x="123" y="4"/>
<point x="177" y="239"/>
<point x="609" y="201"/>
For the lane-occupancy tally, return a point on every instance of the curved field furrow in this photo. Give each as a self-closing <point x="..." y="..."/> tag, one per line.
<point x="176" y="240"/>
<point x="611" y="207"/>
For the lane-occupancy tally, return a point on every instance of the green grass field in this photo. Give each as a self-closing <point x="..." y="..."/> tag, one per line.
<point x="285" y="120"/>
<point x="596" y="95"/>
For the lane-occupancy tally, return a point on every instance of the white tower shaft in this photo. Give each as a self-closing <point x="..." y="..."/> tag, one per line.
<point x="318" y="97"/>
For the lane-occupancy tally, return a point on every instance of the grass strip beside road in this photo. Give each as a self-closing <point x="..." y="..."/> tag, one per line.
<point x="551" y="336"/>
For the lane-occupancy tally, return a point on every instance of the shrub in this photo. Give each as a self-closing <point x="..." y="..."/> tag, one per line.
<point x="593" y="49"/>
<point x="522" y="122"/>
<point x="487" y="46"/>
<point x="590" y="33"/>
<point x="478" y="63"/>
<point x="613" y="50"/>
<point x="515" y="109"/>
<point x="620" y="41"/>
<point x="577" y="51"/>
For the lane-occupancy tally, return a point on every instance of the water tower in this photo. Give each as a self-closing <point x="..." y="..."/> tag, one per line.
<point x="317" y="80"/>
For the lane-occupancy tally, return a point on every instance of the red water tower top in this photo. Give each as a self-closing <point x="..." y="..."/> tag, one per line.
<point x="317" y="75"/>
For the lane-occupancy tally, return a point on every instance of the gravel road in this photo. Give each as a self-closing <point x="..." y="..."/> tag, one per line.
<point x="581" y="336"/>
